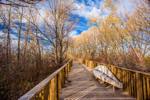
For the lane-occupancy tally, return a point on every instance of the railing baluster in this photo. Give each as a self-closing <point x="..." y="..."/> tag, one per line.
<point x="63" y="78"/>
<point x="139" y="87"/>
<point x="59" y="82"/>
<point x="148" y="88"/>
<point x="52" y="89"/>
<point x="49" y="89"/>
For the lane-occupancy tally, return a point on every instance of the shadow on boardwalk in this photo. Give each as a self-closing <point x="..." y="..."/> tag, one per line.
<point x="83" y="86"/>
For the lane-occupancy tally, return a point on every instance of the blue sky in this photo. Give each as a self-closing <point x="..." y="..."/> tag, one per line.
<point x="85" y="10"/>
<point x="88" y="9"/>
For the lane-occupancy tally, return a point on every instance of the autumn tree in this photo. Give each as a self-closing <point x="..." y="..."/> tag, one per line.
<point x="123" y="41"/>
<point x="31" y="48"/>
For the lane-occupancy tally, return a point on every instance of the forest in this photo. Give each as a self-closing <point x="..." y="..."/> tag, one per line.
<point x="33" y="43"/>
<point x="122" y="41"/>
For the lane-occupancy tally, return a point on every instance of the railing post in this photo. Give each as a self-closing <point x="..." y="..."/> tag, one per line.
<point x="129" y="83"/>
<point x="70" y="65"/>
<point x="57" y="86"/>
<point x="124" y="80"/>
<point x="60" y="82"/>
<point x="63" y="78"/>
<point x="148" y="88"/>
<point x="132" y="83"/>
<point x="66" y="72"/>
<point x="144" y="88"/>
<point x="64" y="75"/>
<point x="53" y="89"/>
<point x="139" y="87"/>
<point x="49" y="90"/>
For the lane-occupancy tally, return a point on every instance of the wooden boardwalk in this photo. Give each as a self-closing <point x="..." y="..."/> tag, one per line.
<point x="83" y="86"/>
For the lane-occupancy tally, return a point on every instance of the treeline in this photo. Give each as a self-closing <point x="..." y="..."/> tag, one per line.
<point x="33" y="43"/>
<point x="122" y="41"/>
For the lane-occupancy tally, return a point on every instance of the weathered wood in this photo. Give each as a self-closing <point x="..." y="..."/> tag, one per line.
<point x="136" y="83"/>
<point x="139" y="87"/>
<point x="59" y="82"/>
<point x="49" y="89"/>
<point x="83" y="86"/>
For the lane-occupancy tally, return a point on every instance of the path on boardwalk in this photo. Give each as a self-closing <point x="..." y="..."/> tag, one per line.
<point x="83" y="86"/>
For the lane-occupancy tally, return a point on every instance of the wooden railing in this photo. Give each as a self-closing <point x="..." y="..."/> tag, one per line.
<point x="50" y="88"/>
<point x="135" y="83"/>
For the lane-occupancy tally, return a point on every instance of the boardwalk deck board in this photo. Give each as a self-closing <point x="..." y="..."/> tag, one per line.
<point x="83" y="86"/>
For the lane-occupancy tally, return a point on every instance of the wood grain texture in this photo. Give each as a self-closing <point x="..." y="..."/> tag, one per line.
<point x="83" y="86"/>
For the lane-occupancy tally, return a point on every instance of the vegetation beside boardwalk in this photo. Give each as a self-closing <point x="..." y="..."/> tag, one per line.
<point x="32" y="44"/>
<point x="122" y="41"/>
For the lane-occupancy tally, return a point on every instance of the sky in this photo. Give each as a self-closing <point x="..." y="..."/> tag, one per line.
<point x="85" y="10"/>
<point x="89" y="9"/>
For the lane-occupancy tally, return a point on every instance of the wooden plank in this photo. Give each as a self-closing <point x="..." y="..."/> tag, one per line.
<point x="83" y="86"/>
<point x="137" y="86"/>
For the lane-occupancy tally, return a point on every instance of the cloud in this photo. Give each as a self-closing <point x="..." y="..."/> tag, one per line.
<point x="125" y="6"/>
<point x="73" y="33"/>
<point x="87" y="11"/>
<point x="95" y="9"/>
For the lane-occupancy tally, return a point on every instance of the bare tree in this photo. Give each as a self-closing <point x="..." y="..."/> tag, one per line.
<point x="19" y="36"/>
<point x="58" y="25"/>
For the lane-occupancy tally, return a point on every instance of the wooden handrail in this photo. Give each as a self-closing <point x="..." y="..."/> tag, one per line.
<point x="124" y="68"/>
<point x="136" y="83"/>
<point x="50" y="87"/>
<point x="127" y="69"/>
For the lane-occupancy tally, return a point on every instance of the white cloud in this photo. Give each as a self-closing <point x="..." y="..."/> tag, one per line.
<point x="125" y="6"/>
<point x="87" y="11"/>
<point x="91" y="11"/>
<point x="73" y="33"/>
